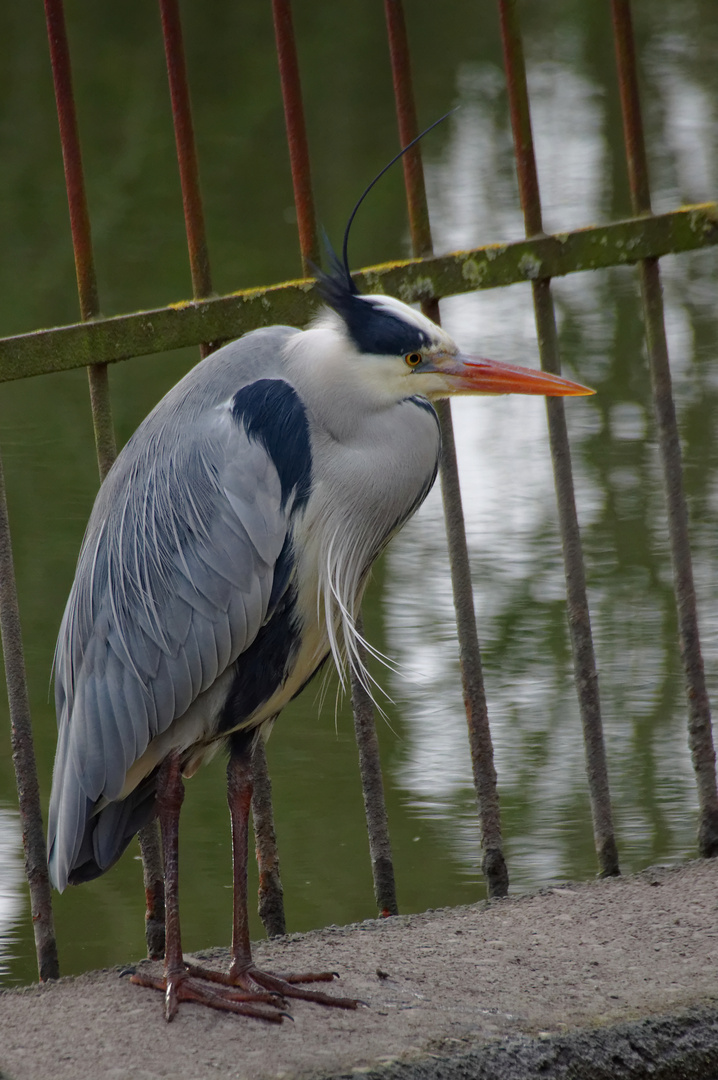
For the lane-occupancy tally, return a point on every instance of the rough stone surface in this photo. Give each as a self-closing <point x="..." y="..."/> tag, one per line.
<point x="614" y="978"/>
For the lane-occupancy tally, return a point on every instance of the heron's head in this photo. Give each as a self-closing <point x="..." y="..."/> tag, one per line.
<point x="404" y="353"/>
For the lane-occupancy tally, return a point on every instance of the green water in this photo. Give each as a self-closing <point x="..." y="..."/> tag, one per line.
<point x="46" y="435"/>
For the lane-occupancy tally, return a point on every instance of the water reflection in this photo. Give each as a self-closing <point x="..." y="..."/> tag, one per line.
<point x="510" y="510"/>
<point x="12" y="891"/>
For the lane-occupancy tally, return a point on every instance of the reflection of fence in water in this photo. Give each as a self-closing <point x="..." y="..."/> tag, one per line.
<point x="423" y="279"/>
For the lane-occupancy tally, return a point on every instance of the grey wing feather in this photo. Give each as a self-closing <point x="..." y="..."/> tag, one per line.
<point x="173" y="583"/>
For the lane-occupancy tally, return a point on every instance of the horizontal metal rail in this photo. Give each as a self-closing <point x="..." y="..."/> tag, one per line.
<point x="226" y="317"/>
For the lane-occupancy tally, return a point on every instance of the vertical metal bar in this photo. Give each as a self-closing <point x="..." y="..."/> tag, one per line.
<point x="154" y="881"/>
<point x="271" y="893"/>
<point x="577" y="602"/>
<point x="186" y="153"/>
<point x="482" y="756"/>
<point x="150" y="845"/>
<point x="296" y="134"/>
<point x="493" y="863"/>
<point x="382" y="863"/>
<point x="97" y="373"/>
<point x="23" y="755"/>
<point x="417" y="203"/>
<point x="80" y="225"/>
<point x="377" y="820"/>
<point x="700" y="736"/>
<point x="364" y="723"/>
<point x="23" y="749"/>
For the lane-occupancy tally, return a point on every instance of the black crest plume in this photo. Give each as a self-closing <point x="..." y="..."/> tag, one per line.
<point x="373" y="330"/>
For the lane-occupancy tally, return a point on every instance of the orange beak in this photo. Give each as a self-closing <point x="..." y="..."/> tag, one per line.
<point x="472" y="375"/>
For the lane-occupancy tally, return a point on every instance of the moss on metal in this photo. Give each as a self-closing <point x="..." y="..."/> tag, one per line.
<point x="295" y="302"/>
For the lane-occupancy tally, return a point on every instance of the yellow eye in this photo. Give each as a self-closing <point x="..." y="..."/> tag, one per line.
<point x="413" y="358"/>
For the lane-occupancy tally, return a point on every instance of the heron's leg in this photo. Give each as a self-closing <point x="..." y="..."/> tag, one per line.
<point x="242" y="971"/>
<point x="178" y="983"/>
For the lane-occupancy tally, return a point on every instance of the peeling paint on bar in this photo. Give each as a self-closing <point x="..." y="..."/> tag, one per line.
<point x="189" y="322"/>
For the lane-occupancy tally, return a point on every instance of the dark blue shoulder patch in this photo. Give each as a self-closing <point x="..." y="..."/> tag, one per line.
<point x="272" y="413"/>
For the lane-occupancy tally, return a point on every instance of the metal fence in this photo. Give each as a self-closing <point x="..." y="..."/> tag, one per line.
<point x="207" y="320"/>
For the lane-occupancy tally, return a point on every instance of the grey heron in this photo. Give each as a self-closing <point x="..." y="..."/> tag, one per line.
<point x="224" y="561"/>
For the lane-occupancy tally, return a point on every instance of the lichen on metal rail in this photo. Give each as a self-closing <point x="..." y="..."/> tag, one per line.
<point x="226" y="317"/>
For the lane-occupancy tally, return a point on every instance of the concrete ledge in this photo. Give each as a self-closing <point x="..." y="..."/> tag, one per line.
<point x="662" y="1048"/>
<point x="614" y="978"/>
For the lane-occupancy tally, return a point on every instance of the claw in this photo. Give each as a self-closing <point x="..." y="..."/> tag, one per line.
<point x="286" y="985"/>
<point x="183" y="986"/>
<point x="311" y="976"/>
<point x="246" y="992"/>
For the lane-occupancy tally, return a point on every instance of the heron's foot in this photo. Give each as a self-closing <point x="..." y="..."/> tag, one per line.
<point x="189" y="984"/>
<point x="253" y="980"/>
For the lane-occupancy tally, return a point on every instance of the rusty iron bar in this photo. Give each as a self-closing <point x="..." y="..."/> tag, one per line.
<point x="296" y="135"/>
<point x="154" y="882"/>
<point x="23" y="755"/>
<point x="271" y="893"/>
<point x="363" y="707"/>
<point x="97" y="373"/>
<point x="375" y="812"/>
<point x="153" y="875"/>
<point x="382" y="863"/>
<point x="481" y="747"/>
<point x="80" y="225"/>
<point x="417" y="203"/>
<point x="585" y="673"/>
<point x="18" y="699"/>
<point x="186" y="154"/>
<point x="148" y="836"/>
<point x="700" y="735"/>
